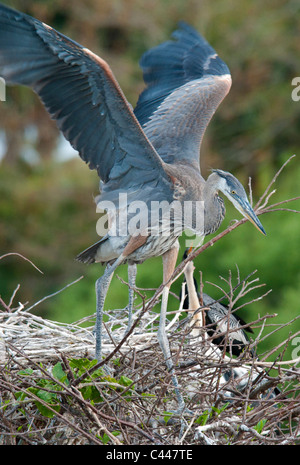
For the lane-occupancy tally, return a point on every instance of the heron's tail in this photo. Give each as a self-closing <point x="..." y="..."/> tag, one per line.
<point x="89" y="255"/>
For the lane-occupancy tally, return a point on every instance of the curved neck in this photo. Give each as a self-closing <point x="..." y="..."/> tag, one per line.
<point x="197" y="318"/>
<point x="214" y="208"/>
<point x="191" y="290"/>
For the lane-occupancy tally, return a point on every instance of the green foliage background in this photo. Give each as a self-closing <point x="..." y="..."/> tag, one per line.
<point x="46" y="206"/>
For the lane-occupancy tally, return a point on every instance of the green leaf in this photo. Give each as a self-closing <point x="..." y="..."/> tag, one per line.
<point x="220" y="409"/>
<point x="91" y="393"/>
<point x="125" y="381"/>
<point x="82" y="365"/>
<point x="26" y="372"/>
<point x="49" y="398"/>
<point x="202" y="419"/>
<point x="105" y="438"/>
<point x="167" y="416"/>
<point x="58" y="373"/>
<point x="46" y="412"/>
<point x="45" y="395"/>
<point x="260" y="425"/>
<point x="20" y="396"/>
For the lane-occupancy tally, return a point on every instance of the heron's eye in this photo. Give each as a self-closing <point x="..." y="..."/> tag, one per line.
<point x="233" y="192"/>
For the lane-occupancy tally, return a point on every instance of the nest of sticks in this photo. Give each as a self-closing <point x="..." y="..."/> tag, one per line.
<point x="53" y="392"/>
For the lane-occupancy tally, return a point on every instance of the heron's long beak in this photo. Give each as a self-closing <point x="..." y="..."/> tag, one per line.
<point x="189" y="250"/>
<point x="248" y="212"/>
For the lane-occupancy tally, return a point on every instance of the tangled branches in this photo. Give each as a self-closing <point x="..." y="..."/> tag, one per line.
<point x="53" y="392"/>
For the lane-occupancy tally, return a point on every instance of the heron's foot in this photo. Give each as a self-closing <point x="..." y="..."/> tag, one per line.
<point x="105" y="368"/>
<point x="179" y="415"/>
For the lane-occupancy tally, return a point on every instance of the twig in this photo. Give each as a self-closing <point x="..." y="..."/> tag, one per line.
<point x="24" y="258"/>
<point x="52" y="295"/>
<point x="273" y="181"/>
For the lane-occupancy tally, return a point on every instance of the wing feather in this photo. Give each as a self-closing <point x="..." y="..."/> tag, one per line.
<point x="185" y="83"/>
<point x="81" y="93"/>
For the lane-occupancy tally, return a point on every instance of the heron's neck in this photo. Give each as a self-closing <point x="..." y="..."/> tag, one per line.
<point x="214" y="209"/>
<point x="192" y="293"/>
<point x="197" y="318"/>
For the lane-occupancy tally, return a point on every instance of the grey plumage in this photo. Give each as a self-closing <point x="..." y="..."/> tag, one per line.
<point x="151" y="154"/>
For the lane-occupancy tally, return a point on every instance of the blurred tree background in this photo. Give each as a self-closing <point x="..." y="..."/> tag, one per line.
<point x="46" y="193"/>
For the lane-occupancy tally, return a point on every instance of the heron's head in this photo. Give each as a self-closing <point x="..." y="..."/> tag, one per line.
<point x="234" y="191"/>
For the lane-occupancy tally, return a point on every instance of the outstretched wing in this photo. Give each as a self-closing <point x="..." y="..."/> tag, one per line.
<point x="82" y="95"/>
<point x="186" y="81"/>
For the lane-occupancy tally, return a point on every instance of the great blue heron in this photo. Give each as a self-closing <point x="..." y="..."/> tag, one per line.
<point x="151" y="154"/>
<point x="224" y="327"/>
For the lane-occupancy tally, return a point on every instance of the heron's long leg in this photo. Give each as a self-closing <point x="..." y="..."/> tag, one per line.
<point x="102" y="285"/>
<point x="169" y="262"/>
<point x="132" y="270"/>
